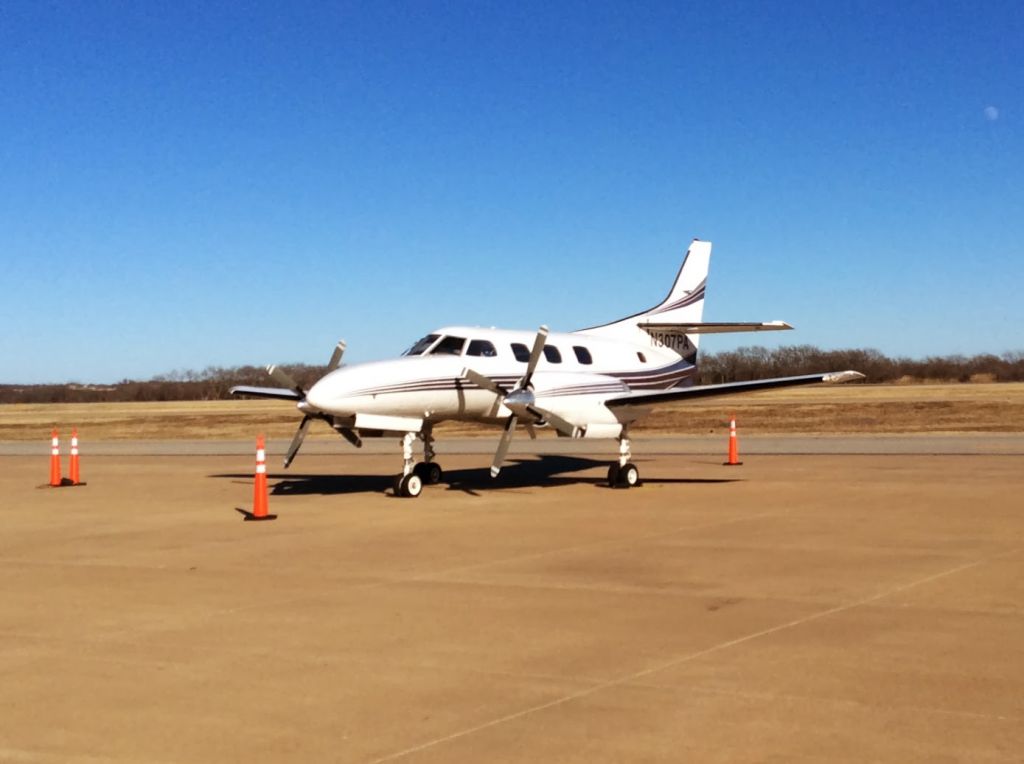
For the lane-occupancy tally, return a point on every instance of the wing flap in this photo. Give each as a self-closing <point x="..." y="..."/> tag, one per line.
<point x="644" y="398"/>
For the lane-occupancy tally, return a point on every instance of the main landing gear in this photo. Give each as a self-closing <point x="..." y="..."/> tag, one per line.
<point x="415" y="475"/>
<point x="623" y="474"/>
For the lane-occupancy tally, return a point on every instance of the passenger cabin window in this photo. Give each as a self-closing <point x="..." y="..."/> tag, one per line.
<point x="481" y="347"/>
<point x="420" y="347"/>
<point x="641" y="356"/>
<point x="552" y="354"/>
<point x="582" y="355"/>
<point x="449" y="346"/>
<point x="521" y="352"/>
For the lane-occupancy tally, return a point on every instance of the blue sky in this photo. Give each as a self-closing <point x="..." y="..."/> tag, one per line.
<point x="192" y="184"/>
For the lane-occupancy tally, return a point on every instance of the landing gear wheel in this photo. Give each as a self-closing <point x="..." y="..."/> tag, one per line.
<point x="429" y="472"/>
<point x="628" y="476"/>
<point x="410" y="486"/>
<point x="613" y="475"/>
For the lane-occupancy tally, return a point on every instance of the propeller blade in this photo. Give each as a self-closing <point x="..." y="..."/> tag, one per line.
<point x="300" y="435"/>
<point x="530" y="430"/>
<point x="285" y="379"/>
<point x="503" y="444"/>
<point x="486" y="383"/>
<point x="538" y="347"/>
<point x="335" y="361"/>
<point x="564" y="426"/>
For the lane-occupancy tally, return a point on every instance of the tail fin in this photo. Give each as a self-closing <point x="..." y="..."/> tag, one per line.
<point x="684" y="304"/>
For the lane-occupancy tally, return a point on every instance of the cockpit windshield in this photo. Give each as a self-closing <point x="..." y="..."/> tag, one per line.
<point x="449" y="346"/>
<point x="421" y="346"/>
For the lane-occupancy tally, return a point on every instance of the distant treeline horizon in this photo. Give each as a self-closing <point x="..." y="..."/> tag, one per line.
<point x="743" y="364"/>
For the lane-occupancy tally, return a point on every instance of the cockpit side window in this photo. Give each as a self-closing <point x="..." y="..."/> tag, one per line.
<point x="521" y="352"/>
<point x="449" y="346"/>
<point x="482" y="348"/>
<point x="421" y="346"/>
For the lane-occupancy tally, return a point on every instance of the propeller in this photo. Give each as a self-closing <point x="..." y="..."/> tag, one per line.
<point x="285" y="379"/>
<point x="335" y="362"/>
<point x="289" y="381"/>
<point x="300" y="434"/>
<point x="521" y="401"/>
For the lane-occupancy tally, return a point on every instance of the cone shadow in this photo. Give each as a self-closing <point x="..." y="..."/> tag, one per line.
<point x="250" y="517"/>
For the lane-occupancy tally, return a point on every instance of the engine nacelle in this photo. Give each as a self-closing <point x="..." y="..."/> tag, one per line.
<point x="603" y="430"/>
<point x="579" y="399"/>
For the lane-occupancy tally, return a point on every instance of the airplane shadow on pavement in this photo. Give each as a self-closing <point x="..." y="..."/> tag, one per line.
<point x="544" y="471"/>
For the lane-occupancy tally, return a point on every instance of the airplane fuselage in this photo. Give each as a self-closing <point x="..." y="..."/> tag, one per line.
<point x="574" y="376"/>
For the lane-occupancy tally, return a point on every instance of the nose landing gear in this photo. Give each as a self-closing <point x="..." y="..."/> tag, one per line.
<point x="409" y="484"/>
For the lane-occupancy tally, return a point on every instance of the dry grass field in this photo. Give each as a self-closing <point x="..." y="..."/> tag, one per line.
<point x="953" y="408"/>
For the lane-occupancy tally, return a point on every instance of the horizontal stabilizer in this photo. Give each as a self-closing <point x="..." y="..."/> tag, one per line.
<point x="644" y="398"/>
<point x="713" y="328"/>
<point x="281" y="393"/>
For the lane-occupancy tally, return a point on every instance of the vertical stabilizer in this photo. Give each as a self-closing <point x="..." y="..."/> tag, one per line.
<point x="684" y="304"/>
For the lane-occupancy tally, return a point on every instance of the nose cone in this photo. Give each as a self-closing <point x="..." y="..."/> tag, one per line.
<point x="340" y="391"/>
<point x="322" y="394"/>
<point x="520" y="398"/>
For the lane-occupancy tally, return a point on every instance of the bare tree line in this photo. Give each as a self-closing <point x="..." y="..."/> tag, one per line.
<point x="212" y="383"/>
<point x="739" y="365"/>
<point x="748" y="363"/>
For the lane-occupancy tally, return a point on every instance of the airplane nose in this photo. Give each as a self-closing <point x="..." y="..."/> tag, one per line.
<point x="328" y="393"/>
<point x="317" y="397"/>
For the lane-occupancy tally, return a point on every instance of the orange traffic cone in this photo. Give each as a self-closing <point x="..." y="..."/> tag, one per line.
<point x="734" y="450"/>
<point x="260" y="497"/>
<point x="75" y="472"/>
<point x="54" y="459"/>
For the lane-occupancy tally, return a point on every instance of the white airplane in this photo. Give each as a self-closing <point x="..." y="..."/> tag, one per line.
<point x="591" y="383"/>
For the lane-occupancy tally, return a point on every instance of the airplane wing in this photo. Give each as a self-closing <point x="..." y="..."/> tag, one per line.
<point x="281" y="393"/>
<point x="645" y="398"/>
<point x="713" y="328"/>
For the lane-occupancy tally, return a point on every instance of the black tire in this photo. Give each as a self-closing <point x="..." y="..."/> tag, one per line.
<point x="613" y="475"/>
<point x="411" y="486"/>
<point x="430" y="472"/>
<point x="629" y="475"/>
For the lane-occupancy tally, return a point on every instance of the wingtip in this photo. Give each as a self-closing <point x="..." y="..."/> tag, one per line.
<point x="840" y="377"/>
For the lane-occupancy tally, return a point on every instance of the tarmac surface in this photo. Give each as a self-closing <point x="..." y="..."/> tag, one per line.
<point x="841" y="607"/>
<point x="921" y="443"/>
